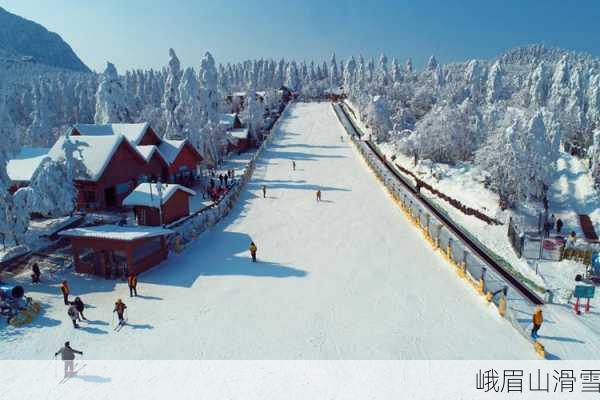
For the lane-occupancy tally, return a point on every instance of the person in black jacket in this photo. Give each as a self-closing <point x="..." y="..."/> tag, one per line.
<point x="67" y="354"/>
<point x="79" y="306"/>
<point x="35" y="273"/>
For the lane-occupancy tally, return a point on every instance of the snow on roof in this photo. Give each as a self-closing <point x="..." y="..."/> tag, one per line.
<point x="147" y="151"/>
<point x="94" y="152"/>
<point x="239" y="94"/>
<point x="241" y="133"/>
<point x="170" y="149"/>
<point x="133" y="132"/>
<point x="116" y="232"/>
<point x="23" y="166"/>
<point x="146" y="194"/>
<point x="227" y="119"/>
<point x="261" y="94"/>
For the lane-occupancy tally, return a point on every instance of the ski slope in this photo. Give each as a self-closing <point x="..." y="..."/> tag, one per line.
<point x="346" y="278"/>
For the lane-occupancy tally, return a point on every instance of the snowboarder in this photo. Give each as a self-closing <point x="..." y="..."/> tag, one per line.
<point x="559" y="225"/>
<point x="67" y="354"/>
<point x="35" y="273"/>
<point x="264" y="190"/>
<point x="537" y="320"/>
<point x="132" y="283"/>
<point x="318" y="195"/>
<point x="79" y="306"/>
<point x="64" y="288"/>
<point x="253" y="249"/>
<point x="120" y="308"/>
<point x="294" y="165"/>
<point x="74" y="315"/>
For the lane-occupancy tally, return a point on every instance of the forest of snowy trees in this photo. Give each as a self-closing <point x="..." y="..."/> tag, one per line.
<point x="508" y="115"/>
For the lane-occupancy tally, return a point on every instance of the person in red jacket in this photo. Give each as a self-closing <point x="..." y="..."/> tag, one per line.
<point x="120" y="308"/>
<point x="132" y="283"/>
<point x="64" y="288"/>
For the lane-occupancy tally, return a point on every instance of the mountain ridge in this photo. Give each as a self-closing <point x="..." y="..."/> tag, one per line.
<point x="27" y="41"/>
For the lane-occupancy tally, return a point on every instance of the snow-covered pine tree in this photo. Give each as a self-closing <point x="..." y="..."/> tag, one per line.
<point x="52" y="192"/>
<point x="333" y="73"/>
<point x="111" y="104"/>
<point x="170" y="98"/>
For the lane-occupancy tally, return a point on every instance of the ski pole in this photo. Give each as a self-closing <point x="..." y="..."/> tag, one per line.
<point x="112" y="324"/>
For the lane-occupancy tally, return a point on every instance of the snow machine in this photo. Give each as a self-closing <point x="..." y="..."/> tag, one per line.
<point x="18" y="308"/>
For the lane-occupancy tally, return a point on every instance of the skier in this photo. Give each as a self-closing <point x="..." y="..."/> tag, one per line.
<point x="74" y="315"/>
<point x="67" y="354"/>
<point x="35" y="273"/>
<point x="537" y="320"/>
<point x="221" y="179"/>
<point x="132" y="283"/>
<point x="264" y="190"/>
<point x="318" y="195"/>
<point x="253" y="249"/>
<point x="294" y="165"/>
<point x="120" y="310"/>
<point x="79" y="307"/>
<point x="559" y="225"/>
<point x="64" y="288"/>
<point x="225" y="178"/>
<point x="342" y="139"/>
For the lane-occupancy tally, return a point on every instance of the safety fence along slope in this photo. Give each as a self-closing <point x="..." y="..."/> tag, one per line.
<point x="514" y="301"/>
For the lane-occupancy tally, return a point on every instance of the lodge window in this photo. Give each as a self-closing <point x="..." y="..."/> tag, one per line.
<point x="87" y="255"/>
<point x="141" y="213"/>
<point x="123" y="187"/>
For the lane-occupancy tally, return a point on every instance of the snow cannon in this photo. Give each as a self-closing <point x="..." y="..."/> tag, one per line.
<point x="18" y="309"/>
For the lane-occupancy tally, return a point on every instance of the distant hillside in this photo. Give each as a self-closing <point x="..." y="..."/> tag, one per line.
<point x="26" y="41"/>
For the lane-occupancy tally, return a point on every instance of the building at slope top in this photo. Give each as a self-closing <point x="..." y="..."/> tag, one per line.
<point x="112" y="159"/>
<point x="157" y="206"/>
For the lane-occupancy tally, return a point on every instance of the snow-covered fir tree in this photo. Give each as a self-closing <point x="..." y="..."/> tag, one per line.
<point x="170" y="98"/>
<point x="111" y="103"/>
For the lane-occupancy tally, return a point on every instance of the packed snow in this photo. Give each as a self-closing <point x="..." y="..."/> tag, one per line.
<point x="347" y="277"/>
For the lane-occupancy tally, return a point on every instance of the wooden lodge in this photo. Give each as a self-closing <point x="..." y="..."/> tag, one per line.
<point x="116" y="251"/>
<point x="155" y="205"/>
<point x="112" y="160"/>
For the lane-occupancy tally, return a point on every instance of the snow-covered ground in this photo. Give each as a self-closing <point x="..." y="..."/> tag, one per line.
<point x="573" y="193"/>
<point x="348" y="277"/>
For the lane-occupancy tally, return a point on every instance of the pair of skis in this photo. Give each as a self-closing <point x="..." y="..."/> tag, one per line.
<point x="72" y="374"/>
<point x="120" y="325"/>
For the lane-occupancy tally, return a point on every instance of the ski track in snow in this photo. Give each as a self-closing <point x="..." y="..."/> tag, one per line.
<point x="348" y="277"/>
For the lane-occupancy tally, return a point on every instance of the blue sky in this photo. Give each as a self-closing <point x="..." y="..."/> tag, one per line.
<point x="138" y="34"/>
